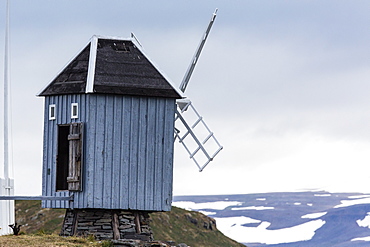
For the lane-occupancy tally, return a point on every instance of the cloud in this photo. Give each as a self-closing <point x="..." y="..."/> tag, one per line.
<point x="283" y="85"/>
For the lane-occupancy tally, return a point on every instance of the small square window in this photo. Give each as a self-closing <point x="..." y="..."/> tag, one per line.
<point x="74" y="110"/>
<point x="51" y="112"/>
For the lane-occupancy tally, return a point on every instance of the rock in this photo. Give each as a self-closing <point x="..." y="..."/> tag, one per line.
<point x="159" y="244"/>
<point x="127" y="243"/>
<point x="102" y="224"/>
<point x="210" y="225"/>
<point x="122" y="220"/>
<point x="191" y="219"/>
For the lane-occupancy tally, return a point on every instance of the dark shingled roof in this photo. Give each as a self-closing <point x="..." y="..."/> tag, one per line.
<point x="119" y="67"/>
<point x="72" y="80"/>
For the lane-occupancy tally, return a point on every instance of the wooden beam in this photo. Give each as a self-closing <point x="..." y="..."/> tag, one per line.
<point x="137" y="223"/>
<point x="115" y="225"/>
<point x="75" y="221"/>
<point x="36" y="198"/>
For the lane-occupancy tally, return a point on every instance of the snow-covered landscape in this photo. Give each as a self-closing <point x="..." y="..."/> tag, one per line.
<point x="288" y="218"/>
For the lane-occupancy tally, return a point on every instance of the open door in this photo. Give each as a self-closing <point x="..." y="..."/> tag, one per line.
<point x="69" y="158"/>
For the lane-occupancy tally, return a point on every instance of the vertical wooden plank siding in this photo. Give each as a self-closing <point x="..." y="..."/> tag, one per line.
<point x="99" y="151"/>
<point x="159" y="147"/>
<point x="116" y="152"/>
<point x="125" y="153"/>
<point x="133" y="149"/>
<point x="89" y="168"/>
<point x="63" y="107"/>
<point x="150" y="144"/>
<point x="168" y="153"/>
<point x="141" y="154"/>
<point x="47" y="154"/>
<point x="108" y="153"/>
<point x="128" y="151"/>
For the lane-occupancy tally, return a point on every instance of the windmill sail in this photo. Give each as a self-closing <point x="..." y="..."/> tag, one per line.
<point x="198" y="140"/>
<point x="194" y="61"/>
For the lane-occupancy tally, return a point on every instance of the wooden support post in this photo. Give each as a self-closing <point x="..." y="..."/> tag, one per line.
<point x="115" y="225"/>
<point x="137" y="222"/>
<point x="75" y="221"/>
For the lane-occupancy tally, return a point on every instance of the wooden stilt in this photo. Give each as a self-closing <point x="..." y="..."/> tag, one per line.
<point x="75" y="221"/>
<point x="137" y="223"/>
<point x="115" y="225"/>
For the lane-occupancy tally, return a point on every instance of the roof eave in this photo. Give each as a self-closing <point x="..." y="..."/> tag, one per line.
<point x="40" y="94"/>
<point x="92" y="62"/>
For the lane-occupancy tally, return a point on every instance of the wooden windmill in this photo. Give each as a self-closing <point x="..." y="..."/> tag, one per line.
<point x="109" y="130"/>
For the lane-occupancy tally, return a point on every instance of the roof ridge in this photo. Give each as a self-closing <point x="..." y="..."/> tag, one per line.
<point x="107" y="66"/>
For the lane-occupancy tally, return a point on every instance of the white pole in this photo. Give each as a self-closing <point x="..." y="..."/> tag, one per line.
<point x="6" y="100"/>
<point x="7" y="206"/>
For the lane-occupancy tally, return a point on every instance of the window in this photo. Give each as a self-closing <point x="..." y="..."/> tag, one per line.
<point x="51" y="112"/>
<point x="69" y="158"/>
<point x="74" y="110"/>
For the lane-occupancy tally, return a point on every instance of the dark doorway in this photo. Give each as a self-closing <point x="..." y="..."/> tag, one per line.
<point x="62" y="158"/>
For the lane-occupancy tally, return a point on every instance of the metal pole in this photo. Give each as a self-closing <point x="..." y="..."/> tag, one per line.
<point x="6" y="106"/>
<point x="6" y="102"/>
<point x="9" y="205"/>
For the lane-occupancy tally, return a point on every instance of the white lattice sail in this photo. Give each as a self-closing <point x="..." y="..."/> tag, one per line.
<point x="193" y="133"/>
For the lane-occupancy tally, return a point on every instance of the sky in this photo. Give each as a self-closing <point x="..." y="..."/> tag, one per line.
<point x="284" y="85"/>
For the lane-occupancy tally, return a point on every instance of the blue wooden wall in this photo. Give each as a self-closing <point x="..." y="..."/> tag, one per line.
<point x="128" y="151"/>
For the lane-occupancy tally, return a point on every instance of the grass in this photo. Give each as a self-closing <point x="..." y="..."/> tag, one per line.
<point x="40" y="227"/>
<point x="49" y="240"/>
<point x="34" y="219"/>
<point x="176" y="226"/>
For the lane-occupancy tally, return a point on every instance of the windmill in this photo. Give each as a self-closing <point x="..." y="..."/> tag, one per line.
<point x="198" y="140"/>
<point x="109" y="132"/>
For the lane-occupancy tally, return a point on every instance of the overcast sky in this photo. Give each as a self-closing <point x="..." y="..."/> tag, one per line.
<point x="284" y="85"/>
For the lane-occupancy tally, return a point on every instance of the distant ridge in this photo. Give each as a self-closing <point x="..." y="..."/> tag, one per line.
<point x="288" y="219"/>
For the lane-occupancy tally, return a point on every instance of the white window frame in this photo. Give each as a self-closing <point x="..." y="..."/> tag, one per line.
<point x="74" y="105"/>
<point x="52" y="116"/>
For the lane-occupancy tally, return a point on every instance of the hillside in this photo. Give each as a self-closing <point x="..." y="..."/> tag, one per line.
<point x="192" y="228"/>
<point x="35" y="219"/>
<point x="178" y="226"/>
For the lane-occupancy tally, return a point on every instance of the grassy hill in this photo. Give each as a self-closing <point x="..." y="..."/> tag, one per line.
<point x="35" y="219"/>
<point x="177" y="226"/>
<point x="192" y="228"/>
<point x="48" y="240"/>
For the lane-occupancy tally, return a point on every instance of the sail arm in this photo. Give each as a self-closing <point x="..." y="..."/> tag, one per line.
<point x="195" y="58"/>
